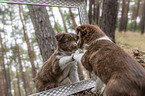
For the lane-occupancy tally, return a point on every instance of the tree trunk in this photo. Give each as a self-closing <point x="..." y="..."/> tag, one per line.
<point x="142" y="21"/>
<point x="101" y="9"/>
<point x="124" y="16"/>
<point x="21" y="69"/>
<point x="1" y="82"/>
<point x="133" y="18"/>
<point x="56" y="25"/>
<point x="72" y="18"/>
<point x="30" y="52"/>
<point x="109" y="17"/>
<point x="28" y="82"/>
<point x="18" y="83"/>
<point x="14" y="50"/>
<point x="63" y="20"/>
<point x="96" y="13"/>
<point x="5" y="73"/>
<point x="14" y="84"/>
<point x="4" y="93"/>
<point x="137" y="12"/>
<point x="43" y="30"/>
<point x="34" y="55"/>
<point x="8" y="78"/>
<point x="90" y="11"/>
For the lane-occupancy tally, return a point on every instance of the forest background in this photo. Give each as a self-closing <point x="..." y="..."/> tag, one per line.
<point x="27" y="35"/>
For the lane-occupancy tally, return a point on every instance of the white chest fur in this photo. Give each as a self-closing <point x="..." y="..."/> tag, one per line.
<point x="69" y="68"/>
<point x="78" y="56"/>
<point x="63" y="60"/>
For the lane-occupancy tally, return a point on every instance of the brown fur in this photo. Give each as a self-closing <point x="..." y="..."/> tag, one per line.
<point x="121" y="73"/>
<point x="50" y="72"/>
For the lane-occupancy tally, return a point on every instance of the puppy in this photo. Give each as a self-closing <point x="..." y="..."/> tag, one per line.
<point x="60" y="65"/>
<point x="121" y="73"/>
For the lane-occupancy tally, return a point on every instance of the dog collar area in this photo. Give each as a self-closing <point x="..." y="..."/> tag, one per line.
<point x="104" y="38"/>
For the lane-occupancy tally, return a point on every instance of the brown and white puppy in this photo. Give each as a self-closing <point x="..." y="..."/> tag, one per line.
<point x="60" y="65"/>
<point x="121" y="73"/>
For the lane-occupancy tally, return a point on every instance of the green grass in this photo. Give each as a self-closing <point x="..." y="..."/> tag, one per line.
<point x="130" y="41"/>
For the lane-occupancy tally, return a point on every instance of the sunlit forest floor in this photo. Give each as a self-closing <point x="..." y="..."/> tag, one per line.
<point x="130" y="41"/>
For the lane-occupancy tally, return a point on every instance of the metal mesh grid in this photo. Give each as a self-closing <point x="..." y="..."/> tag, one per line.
<point x="83" y="13"/>
<point x="68" y="89"/>
<point x="63" y="3"/>
<point x="80" y="4"/>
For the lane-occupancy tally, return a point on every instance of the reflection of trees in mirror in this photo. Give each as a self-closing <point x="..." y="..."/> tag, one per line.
<point x="17" y="29"/>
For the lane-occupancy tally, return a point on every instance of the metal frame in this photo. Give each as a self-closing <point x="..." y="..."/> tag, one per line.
<point x="68" y="89"/>
<point x="80" y="4"/>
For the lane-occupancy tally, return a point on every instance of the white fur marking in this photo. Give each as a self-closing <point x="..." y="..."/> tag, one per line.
<point x="64" y="60"/>
<point x="70" y="71"/>
<point x="59" y="56"/>
<point x="85" y="45"/>
<point x="104" y="38"/>
<point x="78" y="57"/>
<point x="99" y="85"/>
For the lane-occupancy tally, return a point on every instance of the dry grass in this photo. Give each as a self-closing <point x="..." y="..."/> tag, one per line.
<point x="130" y="41"/>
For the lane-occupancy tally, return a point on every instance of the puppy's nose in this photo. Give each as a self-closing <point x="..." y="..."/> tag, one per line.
<point x="75" y="45"/>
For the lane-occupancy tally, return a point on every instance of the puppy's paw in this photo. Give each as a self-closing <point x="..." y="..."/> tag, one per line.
<point x="72" y="56"/>
<point x="58" y="56"/>
<point x="99" y="92"/>
<point x="77" y="57"/>
<point x="77" y="52"/>
<point x="64" y="60"/>
<point x="99" y="87"/>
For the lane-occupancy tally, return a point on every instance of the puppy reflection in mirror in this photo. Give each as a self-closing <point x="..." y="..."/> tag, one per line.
<point x="60" y="65"/>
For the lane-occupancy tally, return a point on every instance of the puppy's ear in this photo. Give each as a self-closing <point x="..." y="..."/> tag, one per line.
<point x="78" y="29"/>
<point x="76" y="37"/>
<point x="59" y="37"/>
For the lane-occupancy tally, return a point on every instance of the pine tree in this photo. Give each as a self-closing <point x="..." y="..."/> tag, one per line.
<point x="124" y="16"/>
<point x="109" y="17"/>
<point x="43" y="30"/>
<point x="30" y="52"/>
<point x="63" y="20"/>
<point x="142" y="21"/>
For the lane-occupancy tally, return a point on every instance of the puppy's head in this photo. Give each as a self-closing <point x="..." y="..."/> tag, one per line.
<point x="67" y="42"/>
<point x="87" y="33"/>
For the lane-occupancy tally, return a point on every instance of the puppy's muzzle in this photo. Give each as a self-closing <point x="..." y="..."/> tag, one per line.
<point x="80" y="44"/>
<point x="75" y="46"/>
